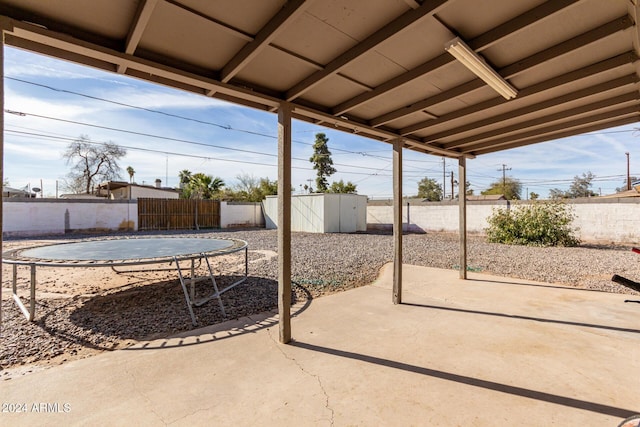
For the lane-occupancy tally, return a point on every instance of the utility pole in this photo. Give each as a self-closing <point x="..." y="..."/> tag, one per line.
<point x="452" y="185"/>
<point x="628" y="174"/>
<point x="444" y="179"/>
<point x="504" y="178"/>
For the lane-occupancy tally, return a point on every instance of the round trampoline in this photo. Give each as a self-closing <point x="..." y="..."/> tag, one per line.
<point x="130" y="251"/>
<point x="122" y="251"/>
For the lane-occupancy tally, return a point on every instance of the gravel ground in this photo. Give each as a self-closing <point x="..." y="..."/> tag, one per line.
<point x="84" y="311"/>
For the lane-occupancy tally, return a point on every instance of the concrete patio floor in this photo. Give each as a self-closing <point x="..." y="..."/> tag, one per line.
<point x="488" y="351"/>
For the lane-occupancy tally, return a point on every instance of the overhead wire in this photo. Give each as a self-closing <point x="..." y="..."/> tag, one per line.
<point x="541" y="183"/>
<point x="173" y="153"/>
<point x="166" y="138"/>
<point x="177" y="116"/>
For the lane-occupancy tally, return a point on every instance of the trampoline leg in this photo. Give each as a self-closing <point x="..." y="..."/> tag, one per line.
<point x="32" y="302"/>
<point x="192" y="281"/>
<point x="186" y="293"/>
<point x="215" y="287"/>
<point x="29" y="313"/>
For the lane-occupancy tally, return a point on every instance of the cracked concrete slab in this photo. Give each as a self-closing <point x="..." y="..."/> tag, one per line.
<point x="488" y="351"/>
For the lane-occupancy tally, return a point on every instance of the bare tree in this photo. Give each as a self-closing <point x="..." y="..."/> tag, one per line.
<point x="580" y="187"/>
<point x="91" y="163"/>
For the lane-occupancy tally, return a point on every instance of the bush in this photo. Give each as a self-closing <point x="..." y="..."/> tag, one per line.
<point x="536" y="224"/>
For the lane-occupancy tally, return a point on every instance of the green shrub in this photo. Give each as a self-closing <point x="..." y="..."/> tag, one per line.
<point x="536" y="224"/>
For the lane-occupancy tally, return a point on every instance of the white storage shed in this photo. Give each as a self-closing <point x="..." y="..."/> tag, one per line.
<point x="321" y="213"/>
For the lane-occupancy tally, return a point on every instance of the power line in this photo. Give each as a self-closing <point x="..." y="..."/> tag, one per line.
<point x="164" y="113"/>
<point x="173" y="153"/>
<point x="166" y="138"/>
<point x="205" y="122"/>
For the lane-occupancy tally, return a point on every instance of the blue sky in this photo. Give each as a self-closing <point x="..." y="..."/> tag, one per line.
<point x="172" y="130"/>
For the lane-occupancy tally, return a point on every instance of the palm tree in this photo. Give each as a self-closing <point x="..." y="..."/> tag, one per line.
<point x="202" y="186"/>
<point x="199" y="186"/>
<point x="131" y="172"/>
<point x="216" y="185"/>
<point x="185" y="177"/>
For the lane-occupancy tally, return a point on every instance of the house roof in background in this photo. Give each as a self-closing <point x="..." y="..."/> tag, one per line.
<point x="115" y="185"/>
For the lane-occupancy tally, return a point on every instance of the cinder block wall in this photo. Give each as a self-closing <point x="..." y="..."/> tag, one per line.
<point x="34" y="217"/>
<point x="241" y="214"/>
<point x="597" y="220"/>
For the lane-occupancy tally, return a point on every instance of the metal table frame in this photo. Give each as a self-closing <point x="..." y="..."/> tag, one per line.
<point x="15" y="258"/>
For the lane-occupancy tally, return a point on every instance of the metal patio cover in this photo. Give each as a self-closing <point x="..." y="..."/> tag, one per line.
<point x="377" y="68"/>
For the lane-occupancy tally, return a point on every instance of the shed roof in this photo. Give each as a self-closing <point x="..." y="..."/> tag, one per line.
<point x="373" y="67"/>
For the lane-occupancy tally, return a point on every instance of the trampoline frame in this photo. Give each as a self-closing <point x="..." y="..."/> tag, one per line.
<point x="15" y="258"/>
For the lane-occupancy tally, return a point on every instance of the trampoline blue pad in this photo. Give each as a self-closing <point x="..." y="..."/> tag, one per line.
<point x="127" y="249"/>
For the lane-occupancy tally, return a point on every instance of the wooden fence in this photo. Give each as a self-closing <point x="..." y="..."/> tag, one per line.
<point x="177" y="214"/>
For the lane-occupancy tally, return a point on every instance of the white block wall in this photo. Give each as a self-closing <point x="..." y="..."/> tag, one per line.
<point x="614" y="222"/>
<point x="57" y="216"/>
<point x="53" y="217"/>
<point x="604" y="220"/>
<point x="241" y="215"/>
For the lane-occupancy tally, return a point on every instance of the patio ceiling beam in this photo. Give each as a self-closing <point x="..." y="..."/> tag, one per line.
<point x="428" y="102"/>
<point x="513" y="70"/>
<point x="394" y="83"/>
<point x="558" y="127"/>
<point x="558" y="135"/>
<point x="543" y="11"/>
<point x="578" y="42"/>
<point x="564" y="114"/>
<point x="413" y="4"/>
<point x="80" y="51"/>
<point x="315" y="116"/>
<point x="19" y="16"/>
<point x="479" y="43"/>
<point x="140" y="22"/>
<point x="154" y="72"/>
<point x="289" y="12"/>
<point x="428" y="8"/>
<point x="517" y="112"/>
<point x="221" y="25"/>
<point x="572" y="76"/>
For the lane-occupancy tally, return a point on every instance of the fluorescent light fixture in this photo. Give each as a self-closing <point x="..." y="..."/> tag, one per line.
<point x="478" y="66"/>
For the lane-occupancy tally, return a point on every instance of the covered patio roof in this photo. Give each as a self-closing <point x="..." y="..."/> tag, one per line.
<point x="377" y="67"/>
<point x="457" y="78"/>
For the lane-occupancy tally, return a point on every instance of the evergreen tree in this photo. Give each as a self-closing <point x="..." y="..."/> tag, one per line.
<point x="322" y="162"/>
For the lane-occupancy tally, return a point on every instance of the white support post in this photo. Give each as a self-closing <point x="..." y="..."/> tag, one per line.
<point x="284" y="221"/>
<point x="397" y="221"/>
<point x="462" y="204"/>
